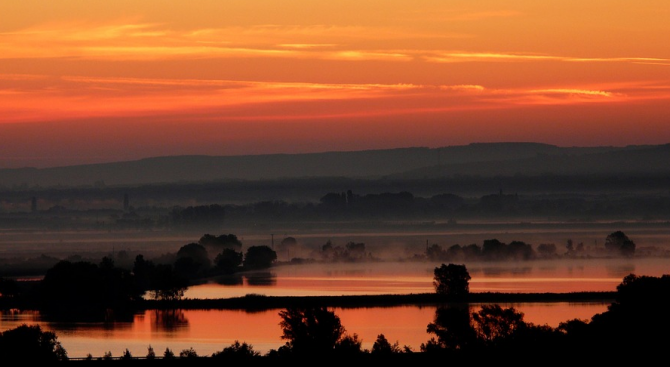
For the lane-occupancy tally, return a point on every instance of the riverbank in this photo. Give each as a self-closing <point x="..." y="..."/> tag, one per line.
<point x="261" y="302"/>
<point x="255" y="302"/>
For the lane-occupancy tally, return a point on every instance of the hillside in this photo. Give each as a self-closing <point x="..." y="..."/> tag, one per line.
<point x="476" y="159"/>
<point x="631" y="160"/>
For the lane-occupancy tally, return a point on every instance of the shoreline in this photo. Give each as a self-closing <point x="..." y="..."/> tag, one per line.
<point x="256" y="302"/>
<point x="260" y="302"/>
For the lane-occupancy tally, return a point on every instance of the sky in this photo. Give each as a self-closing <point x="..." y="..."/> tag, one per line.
<point x="90" y="81"/>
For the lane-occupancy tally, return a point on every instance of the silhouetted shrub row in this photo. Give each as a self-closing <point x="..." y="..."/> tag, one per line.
<point x="634" y="324"/>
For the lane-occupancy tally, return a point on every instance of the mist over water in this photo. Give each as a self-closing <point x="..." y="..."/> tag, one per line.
<point x="395" y="270"/>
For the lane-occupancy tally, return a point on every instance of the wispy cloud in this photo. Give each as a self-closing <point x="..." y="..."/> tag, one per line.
<point x="72" y="97"/>
<point x="238" y="83"/>
<point x="307" y="45"/>
<point x="584" y="92"/>
<point x="463" y="87"/>
<point x="454" y="57"/>
<point x="87" y="32"/>
<point x="155" y="41"/>
<point x="368" y="55"/>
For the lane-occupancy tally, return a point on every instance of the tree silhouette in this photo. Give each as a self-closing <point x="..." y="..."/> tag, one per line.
<point x="237" y="352"/>
<point x="29" y="344"/>
<point x="83" y="289"/>
<point x="383" y="347"/>
<point x="166" y="284"/>
<point x="452" y="280"/>
<point x="617" y="242"/>
<point x="150" y="353"/>
<point x="228" y="261"/>
<point x="453" y="328"/>
<point x="189" y="353"/>
<point x="168" y="354"/>
<point x="494" y="324"/>
<point x="435" y="252"/>
<point x="221" y="242"/>
<point x="348" y="346"/>
<point x="160" y="280"/>
<point x="548" y="250"/>
<point x="519" y="250"/>
<point x="638" y="317"/>
<point x="310" y="331"/>
<point x="259" y="257"/>
<point x="192" y="260"/>
<point x="494" y="250"/>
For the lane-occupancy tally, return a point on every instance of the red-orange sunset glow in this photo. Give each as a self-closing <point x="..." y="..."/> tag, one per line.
<point x="98" y="81"/>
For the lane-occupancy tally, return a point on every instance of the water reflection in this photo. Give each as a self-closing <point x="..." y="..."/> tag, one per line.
<point x="261" y="279"/>
<point x="229" y="280"/>
<point x="451" y="327"/>
<point x="620" y="270"/>
<point x="573" y="275"/>
<point x="500" y="270"/>
<point x="346" y="272"/>
<point x="168" y="320"/>
<point x="571" y="269"/>
<point x="208" y="331"/>
<point x="106" y="317"/>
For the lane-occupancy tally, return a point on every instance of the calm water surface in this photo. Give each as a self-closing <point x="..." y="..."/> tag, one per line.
<point x="556" y="276"/>
<point x="209" y="331"/>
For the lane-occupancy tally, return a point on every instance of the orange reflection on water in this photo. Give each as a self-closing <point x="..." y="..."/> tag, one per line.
<point x="407" y="325"/>
<point x="543" y="285"/>
<point x="209" y="331"/>
<point x="408" y="278"/>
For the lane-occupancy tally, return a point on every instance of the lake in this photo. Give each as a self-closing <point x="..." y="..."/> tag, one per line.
<point x="208" y="331"/>
<point x="537" y="276"/>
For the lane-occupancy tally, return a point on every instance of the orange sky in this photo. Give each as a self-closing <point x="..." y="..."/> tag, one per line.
<point x="84" y="81"/>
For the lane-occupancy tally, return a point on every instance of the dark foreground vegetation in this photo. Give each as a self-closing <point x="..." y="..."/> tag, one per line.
<point x="633" y="327"/>
<point x="634" y="323"/>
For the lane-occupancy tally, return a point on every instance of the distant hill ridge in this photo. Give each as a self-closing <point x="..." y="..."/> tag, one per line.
<point x="630" y="160"/>
<point x="484" y="159"/>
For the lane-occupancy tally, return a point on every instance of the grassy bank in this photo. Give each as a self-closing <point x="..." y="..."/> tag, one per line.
<point x="254" y="302"/>
<point x="261" y="302"/>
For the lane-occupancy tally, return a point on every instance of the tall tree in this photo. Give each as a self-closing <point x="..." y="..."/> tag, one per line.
<point x="453" y="328"/>
<point x="311" y="330"/>
<point x="495" y="325"/>
<point x="452" y="280"/>
<point x="29" y="344"/>
<point x="259" y="257"/>
<point x="618" y="243"/>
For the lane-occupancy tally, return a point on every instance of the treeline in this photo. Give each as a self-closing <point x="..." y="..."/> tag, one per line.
<point x="617" y="244"/>
<point x="634" y="325"/>
<point x="214" y="255"/>
<point x="403" y="205"/>
<point x="77" y="287"/>
<point x="346" y="206"/>
<point x="351" y="207"/>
